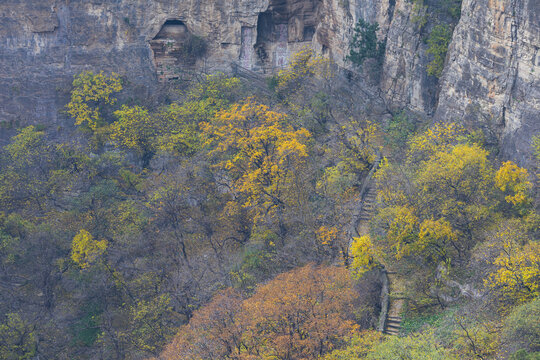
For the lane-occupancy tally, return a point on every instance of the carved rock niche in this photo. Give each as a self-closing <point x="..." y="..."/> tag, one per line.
<point x="282" y="29"/>
<point x="169" y="50"/>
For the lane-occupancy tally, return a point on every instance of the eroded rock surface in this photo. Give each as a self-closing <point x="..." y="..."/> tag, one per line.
<point x="492" y="72"/>
<point x="43" y="43"/>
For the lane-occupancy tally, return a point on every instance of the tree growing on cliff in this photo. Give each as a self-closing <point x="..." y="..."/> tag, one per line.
<point x="365" y="45"/>
<point x="438" y="42"/>
<point x="91" y="92"/>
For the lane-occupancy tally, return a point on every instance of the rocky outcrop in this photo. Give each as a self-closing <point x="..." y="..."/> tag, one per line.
<point x="493" y="73"/>
<point x="43" y="43"/>
<point x="404" y="80"/>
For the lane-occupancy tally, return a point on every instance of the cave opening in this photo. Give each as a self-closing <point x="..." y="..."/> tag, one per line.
<point x="265" y="27"/>
<point x="175" y="49"/>
<point x="282" y="29"/>
<point x="172" y="29"/>
<point x="309" y="31"/>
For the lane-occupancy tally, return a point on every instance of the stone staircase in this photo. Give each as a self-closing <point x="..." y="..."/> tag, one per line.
<point x="393" y="325"/>
<point x="368" y="197"/>
<point x="368" y="206"/>
<point x="396" y="299"/>
<point x="392" y="294"/>
<point x="255" y="79"/>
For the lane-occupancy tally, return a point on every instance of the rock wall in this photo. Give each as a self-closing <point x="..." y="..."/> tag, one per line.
<point x="43" y="43"/>
<point x="404" y="80"/>
<point x="493" y="73"/>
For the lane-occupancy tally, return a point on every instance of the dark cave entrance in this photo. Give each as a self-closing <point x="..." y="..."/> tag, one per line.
<point x="176" y="50"/>
<point x="283" y="25"/>
<point x="172" y="29"/>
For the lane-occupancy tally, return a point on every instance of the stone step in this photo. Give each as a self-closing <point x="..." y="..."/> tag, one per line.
<point x="395" y="318"/>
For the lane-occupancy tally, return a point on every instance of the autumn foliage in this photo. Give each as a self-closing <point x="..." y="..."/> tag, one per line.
<point x="301" y="314"/>
<point x="259" y="151"/>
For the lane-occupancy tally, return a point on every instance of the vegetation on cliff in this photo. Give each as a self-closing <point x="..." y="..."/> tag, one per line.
<point x="216" y="226"/>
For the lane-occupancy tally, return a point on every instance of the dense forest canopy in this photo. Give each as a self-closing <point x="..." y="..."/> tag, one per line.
<point x="217" y="225"/>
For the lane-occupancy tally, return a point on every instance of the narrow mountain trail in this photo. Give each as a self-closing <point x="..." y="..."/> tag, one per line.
<point x="255" y="79"/>
<point x="393" y="291"/>
<point x="396" y="298"/>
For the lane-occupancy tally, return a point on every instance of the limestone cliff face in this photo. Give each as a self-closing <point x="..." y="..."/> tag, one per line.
<point x="43" y="43"/>
<point x="404" y="80"/>
<point x="493" y="71"/>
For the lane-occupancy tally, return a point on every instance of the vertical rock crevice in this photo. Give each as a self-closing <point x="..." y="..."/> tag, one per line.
<point x="491" y="80"/>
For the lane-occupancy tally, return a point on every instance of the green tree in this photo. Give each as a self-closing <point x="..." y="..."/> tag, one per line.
<point x="438" y="42"/>
<point x="412" y="347"/>
<point x="34" y="172"/>
<point x="359" y="346"/>
<point x="364" y="44"/>
<point x="17" y="339"/>
<point x="135" y="129"/>
<point x="151" y="324"/>
<point x="522" y="327"/>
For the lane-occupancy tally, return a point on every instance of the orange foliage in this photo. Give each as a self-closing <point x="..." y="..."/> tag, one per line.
<point x="213" y="332"/>
<point x="301" y="314"/>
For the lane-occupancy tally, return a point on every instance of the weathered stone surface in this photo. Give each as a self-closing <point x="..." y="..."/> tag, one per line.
<point x="43" y="43"/>
<point x="405" y="82"/>
<point x="493" y="71"/>
<point x="402" y="76"/>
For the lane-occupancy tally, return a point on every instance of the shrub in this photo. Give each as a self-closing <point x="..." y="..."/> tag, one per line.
<point x="193" y="48"/>
<point x="364" y="44"/>
<point x="522" y="327"/>
<point x="438" y="42"/>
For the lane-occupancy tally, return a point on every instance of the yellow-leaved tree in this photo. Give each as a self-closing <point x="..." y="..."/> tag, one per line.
<point x="436" y="205"/>
<point x="364" y="254"/>
<point x="514" y="182"/>
<point x="260" y="152"/>
<point x="90" y="93"/>
<point x="85" y="250"/>
<point x="134" y="130"/>
<point x="517" y="267"/>
<point x="304" y="64"/>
